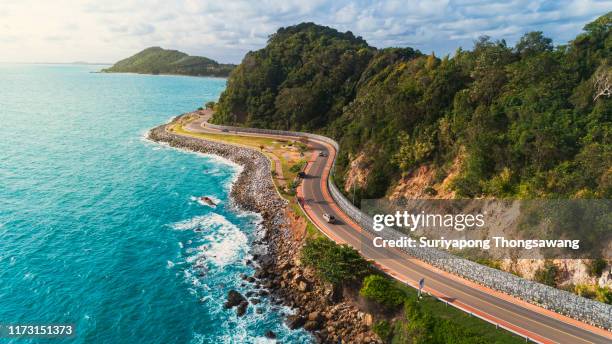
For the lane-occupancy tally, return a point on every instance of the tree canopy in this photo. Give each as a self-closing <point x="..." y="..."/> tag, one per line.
<point x="523" y="120"/>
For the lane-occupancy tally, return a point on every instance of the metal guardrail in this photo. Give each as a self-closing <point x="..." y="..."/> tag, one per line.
<point x="577" y="307"/>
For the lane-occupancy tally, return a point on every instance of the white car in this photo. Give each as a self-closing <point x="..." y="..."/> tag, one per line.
<point x="329" y="218"/>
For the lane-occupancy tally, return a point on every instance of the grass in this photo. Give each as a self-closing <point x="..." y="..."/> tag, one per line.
<point x="485" y="330"/>
<point x="311" y="230"/>
<point x="288" y="152"/>
<point x="429" y="304"/>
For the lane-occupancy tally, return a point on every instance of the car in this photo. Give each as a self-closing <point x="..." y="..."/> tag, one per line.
<point x="225" y="130"/>
<point x="301" y="174"/>
<point x="322" y="153"/>
<point x="329" y="218"/>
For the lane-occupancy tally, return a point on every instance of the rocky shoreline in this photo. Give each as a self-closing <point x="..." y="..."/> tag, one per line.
<point x="319" y="308"/>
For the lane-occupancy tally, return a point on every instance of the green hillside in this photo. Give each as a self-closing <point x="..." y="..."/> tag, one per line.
<point x="156" y="60"/>
<point x="524" y="121"/>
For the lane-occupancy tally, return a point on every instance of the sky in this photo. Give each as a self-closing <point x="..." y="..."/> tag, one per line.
<point x="109" y="30"/>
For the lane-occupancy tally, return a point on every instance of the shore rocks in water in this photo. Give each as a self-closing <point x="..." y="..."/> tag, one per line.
<point x="295" y="321"/>
<point x="282" y="278"/>
<point x="242" y="308"/>
<point x="270" y="334"/>
<point x="234" y="298"/>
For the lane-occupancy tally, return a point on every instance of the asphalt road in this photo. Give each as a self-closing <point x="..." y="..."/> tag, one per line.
<point x="542" y="327"/>
<point x="531" y="321"/>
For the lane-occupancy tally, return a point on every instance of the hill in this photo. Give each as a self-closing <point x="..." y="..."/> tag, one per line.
<point x="156" y="60"/>
<point x="495" y="121"/>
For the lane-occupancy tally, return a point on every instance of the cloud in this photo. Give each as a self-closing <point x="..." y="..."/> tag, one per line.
<point x="109" y="30"/>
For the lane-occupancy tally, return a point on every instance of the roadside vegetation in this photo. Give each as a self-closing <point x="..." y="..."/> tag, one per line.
<point x="403" y="318"/>
<point x="291" y="155"/>
<point x="531" y="120"/>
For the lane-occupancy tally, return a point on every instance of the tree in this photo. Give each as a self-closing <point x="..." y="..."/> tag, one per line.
<point x="533" y="43"/>
<point x="382" y="290"/>
<point x="603" y="83"/>
<point x="336" y="264"/>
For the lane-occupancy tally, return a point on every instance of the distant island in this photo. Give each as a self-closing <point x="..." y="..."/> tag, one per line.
<point x="156" y="60"/>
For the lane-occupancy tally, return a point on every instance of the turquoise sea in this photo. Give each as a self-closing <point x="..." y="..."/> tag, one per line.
<point x="100" y="228"/>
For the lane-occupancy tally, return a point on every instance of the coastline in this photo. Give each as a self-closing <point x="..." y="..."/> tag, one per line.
<point x="319" y="308"/>
<point x="164" y="74"/>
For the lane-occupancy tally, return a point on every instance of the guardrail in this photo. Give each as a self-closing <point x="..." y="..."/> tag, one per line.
<point x="563" y="302"/>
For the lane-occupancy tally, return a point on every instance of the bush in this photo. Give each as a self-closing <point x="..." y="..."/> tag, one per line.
<point x="603" y="295"/>
<point x="298" y="166"/>
<point x="430" y="191"/>
<point x="596" y="267"/>
<point x="290" y="188"/>
<point x="382" y="290"/>
<point x="547" y="274"/>
<point x="584" y="291"/>
<point x="383" y="329"/>
<point x="336" y="264"/>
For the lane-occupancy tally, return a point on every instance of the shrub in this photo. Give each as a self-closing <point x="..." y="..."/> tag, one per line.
<point x="430" y="191"/>
<point x="336" y="264"/>
<point x="603" y="295"/>
<point x="382" y="290"/>
<point x="547" y="274"/>
<point x="298" y="166"/>
<point x="596" y="267"/>
<point x="383" y="329"/>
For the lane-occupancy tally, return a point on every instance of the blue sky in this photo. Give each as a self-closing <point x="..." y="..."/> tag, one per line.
<point x="105" y="31"/>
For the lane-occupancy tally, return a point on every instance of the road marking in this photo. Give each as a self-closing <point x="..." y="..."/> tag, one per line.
<point x="351" y="224"/>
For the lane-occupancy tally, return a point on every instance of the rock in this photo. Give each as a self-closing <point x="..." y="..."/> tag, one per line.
<point x="315" y="316"/>
<point x="311" y="326"/>
<point x="250" y="279"/>
<point x="259" y="310"/>
<point x="270" y="334"/>
<point x="295" y="321"/>
<point x="266" y="261"/>
<point x="242" y="308"/>
<point x="234" y="299"/>
<point x="303" y="286"/>
<point x="255" y="301"/>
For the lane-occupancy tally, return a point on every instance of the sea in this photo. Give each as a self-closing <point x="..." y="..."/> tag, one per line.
<point x="102" y="229"/>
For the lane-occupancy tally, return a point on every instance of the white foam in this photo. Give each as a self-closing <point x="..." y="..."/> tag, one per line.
<point x="223" y="242"/>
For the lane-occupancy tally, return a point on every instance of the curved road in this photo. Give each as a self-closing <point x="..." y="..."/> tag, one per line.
<point x="533" y="322"/>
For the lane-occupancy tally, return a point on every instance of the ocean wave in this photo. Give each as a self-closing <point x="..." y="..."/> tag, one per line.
<point x="222" y="242"/>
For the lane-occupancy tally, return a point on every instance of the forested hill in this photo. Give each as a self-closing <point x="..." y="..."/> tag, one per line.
<point x="156" y="60"/>
<point x="530" y="120"/>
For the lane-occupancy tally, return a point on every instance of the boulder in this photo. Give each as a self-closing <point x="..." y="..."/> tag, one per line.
<point x="303" y="286"/>
<point x="242" y="308"/>
<point x="315" y="316"/>
<point x="312" y="325"/>
<point x="234" y="298"/>
<point x="270" y="334"/>
<point x="295" y="321"/>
